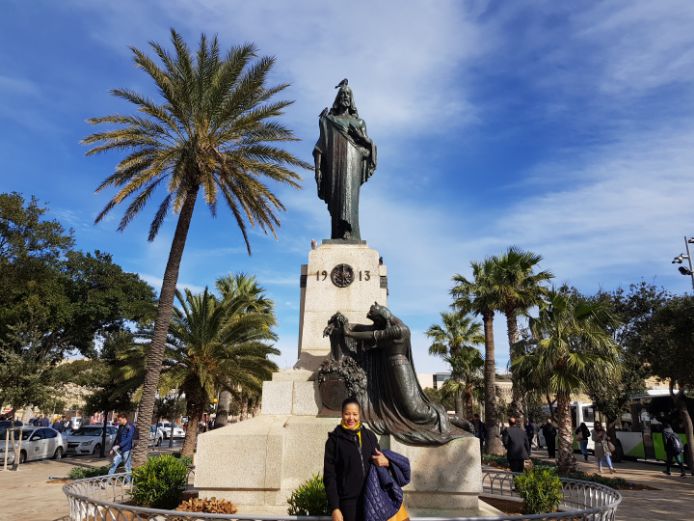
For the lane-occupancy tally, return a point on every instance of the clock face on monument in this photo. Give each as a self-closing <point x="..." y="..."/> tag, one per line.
<point x="342" y="275"/>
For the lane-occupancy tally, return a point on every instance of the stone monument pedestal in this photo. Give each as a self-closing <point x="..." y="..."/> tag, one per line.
<point x="338" y="277"/>
<point x="257" y="463"/>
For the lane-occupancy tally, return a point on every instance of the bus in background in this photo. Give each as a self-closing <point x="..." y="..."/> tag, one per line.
<point x="581" y="412"/>
<point x="640" y="435"/>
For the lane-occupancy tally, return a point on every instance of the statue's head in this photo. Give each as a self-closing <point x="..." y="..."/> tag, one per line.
<point x="380" y="315"/>
<point x="344" y="101"/>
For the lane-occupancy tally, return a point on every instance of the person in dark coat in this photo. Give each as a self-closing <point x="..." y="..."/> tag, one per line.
<point x="349" y="452"/>
<point x="583" y="435"/>
<point x="480" y="431"/>
<point x="673" y="449"/>
<point x="549" y="431"/>
<point x="517" y="445"/>
<point x="530" y="430"/>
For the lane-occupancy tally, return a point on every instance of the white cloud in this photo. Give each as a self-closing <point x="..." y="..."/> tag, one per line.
<point x="11" y="85"/>
<point x="403" y="60"/>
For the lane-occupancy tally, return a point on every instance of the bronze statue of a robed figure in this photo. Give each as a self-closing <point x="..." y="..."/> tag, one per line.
<point x="391" y="398"/>
<point x="345" y="158"/>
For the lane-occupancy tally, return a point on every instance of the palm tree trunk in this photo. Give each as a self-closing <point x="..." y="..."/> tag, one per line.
<point x="195" y="409"/>
<point x="459" y="402"/>
<point x="513" y="337"/>
<point x="467" y="399"/>
<point x="493" y="444"/>
<point x="102" y="450"/>
<point x="222" y="417"/>
<point x="565" y="461"/>
<point x="244" y="408"/>
<point x="155" y="353"/>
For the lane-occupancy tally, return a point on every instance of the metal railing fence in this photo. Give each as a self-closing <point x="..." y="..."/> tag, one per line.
<point x="105" y="498"/>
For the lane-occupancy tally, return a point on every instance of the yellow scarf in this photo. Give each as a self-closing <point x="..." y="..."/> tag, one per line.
<point x="356" y="428"/>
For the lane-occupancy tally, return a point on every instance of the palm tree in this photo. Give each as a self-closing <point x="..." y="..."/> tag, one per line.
<point x="466" y="377"/>
<point x="215" y="344"/>
<point x="214" y="130"/>
<point x="453" y="340"/>
<point x="233" y="287"/>
<point x="480" y="295"/>
<point x="570" y="346"/>
<point x="520" y="289"/>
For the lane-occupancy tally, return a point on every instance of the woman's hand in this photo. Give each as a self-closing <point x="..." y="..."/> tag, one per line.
<point x="337" y="515"/>
<point x="347" y="330"/>
<point x="380" y="460"/>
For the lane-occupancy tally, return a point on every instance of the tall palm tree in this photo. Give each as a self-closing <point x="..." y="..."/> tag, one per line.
<point x="213" y="129"/>
<point x="571" y="345"/>
<point x="480" y="295"/>
<point x="453" y="340"/>
<point x="215" y="344"/>
<point x="520" y="288"/>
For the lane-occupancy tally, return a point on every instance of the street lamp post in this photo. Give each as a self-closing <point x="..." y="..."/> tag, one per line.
<point x="682" y="256"/>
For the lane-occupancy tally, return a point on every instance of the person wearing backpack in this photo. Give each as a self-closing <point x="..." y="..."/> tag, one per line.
<point x="583" y="435"/>
<point x="673" y="449"/>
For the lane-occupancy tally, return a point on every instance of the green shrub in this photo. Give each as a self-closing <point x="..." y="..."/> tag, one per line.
<point x="495" y="461"/>
<point x="88" y="472"/>
<point x="540" y="489"/>
<point x="309" y="499"/>
<point x="160" y="482"/>
<point x="186" y="460"/>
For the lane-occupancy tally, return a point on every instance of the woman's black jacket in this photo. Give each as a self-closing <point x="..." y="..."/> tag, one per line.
<point x="346" y="466"/>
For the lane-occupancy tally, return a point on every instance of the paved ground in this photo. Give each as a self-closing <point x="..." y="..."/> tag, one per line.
<point x="33" y="496"/>
<point x="672" y="501"/>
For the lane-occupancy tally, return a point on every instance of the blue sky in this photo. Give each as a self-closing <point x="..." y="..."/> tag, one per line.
<point x="564" y="128"/>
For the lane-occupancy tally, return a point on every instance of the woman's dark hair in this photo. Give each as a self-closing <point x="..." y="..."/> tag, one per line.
<point x="349" y="401"/>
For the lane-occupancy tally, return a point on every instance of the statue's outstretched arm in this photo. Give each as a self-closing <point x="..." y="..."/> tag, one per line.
<point x="361" y="327"/>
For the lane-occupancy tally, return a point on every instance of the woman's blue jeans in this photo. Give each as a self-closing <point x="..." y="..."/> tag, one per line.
<point x="607" y="459"/>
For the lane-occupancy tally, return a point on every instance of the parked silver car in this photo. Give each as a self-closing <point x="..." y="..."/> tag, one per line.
<point x="35" y="443"/>
<point x="87" y="439"/>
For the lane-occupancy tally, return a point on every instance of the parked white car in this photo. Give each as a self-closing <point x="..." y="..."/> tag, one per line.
<point x="165" y="429"/>
<point x="87" y="439"/>
<point x="35" y="443"/>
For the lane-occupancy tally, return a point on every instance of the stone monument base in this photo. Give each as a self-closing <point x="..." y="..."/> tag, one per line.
<point x="257" y="463"/>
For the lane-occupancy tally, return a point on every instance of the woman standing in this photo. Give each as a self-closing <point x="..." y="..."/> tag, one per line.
<point x="350" y="450"/>
<point x="583" y="435"/>
<point x="602" y="447"/>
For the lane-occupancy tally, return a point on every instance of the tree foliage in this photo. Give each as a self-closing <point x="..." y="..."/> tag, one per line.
<point x="56" y="300"/>
<point x="569" y="347"/>
<point x="454" y="340"/>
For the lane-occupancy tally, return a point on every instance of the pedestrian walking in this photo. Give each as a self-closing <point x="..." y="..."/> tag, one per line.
<point x="530" y="433"/>
<point x="480" y="431"/>
<point x="123" y="445"/>
<point x="583" y="435"/>
<point x="673" y="449"/>
<point x="517" y="445"/>
<point x="59" y="424"/>
<point x="549" y="431"/>
<point x="603" y="447"/>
